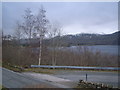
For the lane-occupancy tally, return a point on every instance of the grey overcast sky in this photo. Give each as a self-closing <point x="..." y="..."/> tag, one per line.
<point x="75" y="17"/>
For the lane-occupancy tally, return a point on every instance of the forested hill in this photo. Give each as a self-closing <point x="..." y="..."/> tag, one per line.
<point x="81" y="39"/>
<point x="90" y="39"/>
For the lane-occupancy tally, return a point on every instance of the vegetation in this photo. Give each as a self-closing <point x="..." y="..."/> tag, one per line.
<point x="40" y="70"/>
<point x="29" y="47"/>
<point x="90" y="39"/>
<point x="77" y="40"/>
<point x="3" y="88"/>
<point x="12" y="67"/>
<point x="47" y="51"/>
<point x="25" y="56"/>
<point x="85" y="84"/>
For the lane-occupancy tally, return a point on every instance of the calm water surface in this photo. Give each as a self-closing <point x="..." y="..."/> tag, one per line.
<point x="110" y="49"/>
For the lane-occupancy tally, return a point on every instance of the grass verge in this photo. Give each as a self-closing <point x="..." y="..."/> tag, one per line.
<point x="12" y="67"/>
<point x="46" y="70"/>
<point x="40" y="70"/>
<point x="3" y="88"/>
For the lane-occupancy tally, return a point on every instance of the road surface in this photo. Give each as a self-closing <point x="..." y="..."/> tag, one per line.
<point x="109" y="78"/>
<point x="72" y="77"/>
<point x="60" y="79"/>
<point x="12" y="79"/>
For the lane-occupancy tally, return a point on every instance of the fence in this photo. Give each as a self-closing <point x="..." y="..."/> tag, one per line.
<point x="76" y="67"/>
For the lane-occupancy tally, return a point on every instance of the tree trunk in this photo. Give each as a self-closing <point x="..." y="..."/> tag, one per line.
<point x="40" y="53"/>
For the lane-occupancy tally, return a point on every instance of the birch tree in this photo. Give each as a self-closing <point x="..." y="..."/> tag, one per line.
<point x="41" y="27"/>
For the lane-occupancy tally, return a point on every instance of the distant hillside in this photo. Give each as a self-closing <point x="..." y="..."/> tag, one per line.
<point x="90" y="39"/>
<point x="81" y="39"/>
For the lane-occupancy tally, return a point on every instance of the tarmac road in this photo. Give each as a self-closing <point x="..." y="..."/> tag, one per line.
<point x="60" y="79"/>
<point x="12" y="79"/>
<point x="71" y="77"/>
<point x="109" y="78"/>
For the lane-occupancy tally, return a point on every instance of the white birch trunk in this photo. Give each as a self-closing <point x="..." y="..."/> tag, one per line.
<point x="40" y="53"/>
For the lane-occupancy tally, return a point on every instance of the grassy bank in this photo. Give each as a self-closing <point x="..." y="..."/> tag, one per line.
<point x="3" y="88"/>
<point x="46" y="70"/>
<point x="12" y="67"/>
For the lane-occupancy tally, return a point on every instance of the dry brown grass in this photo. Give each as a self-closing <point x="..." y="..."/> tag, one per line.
<point x="23" y="56"/>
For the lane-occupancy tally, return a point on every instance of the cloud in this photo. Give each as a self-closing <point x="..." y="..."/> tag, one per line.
<point x="107" y="28"/>
<point x="75" y="17"/>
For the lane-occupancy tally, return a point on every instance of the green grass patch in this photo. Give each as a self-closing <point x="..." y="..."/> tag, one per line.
<point x="40" y="70"/>
<point x="0" y="63"/>
<point x="12" y="67"/>
<point x="3" y="88"/>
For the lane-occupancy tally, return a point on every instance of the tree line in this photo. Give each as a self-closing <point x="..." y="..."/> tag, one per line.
<point x="35" y="26"/>
<point x="49" y="37"/>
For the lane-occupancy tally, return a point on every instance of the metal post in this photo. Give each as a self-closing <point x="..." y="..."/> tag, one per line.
<point x="86" y="76"/>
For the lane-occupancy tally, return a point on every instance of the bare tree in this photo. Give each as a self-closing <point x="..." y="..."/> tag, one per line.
<point x="18" y="31"/>
<point x="34" y="35"/>
<point x="55" y="31"/>
<point x="41" y="27"/>
<point x="28" y="24"/>
<point x="33" y="26"/>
